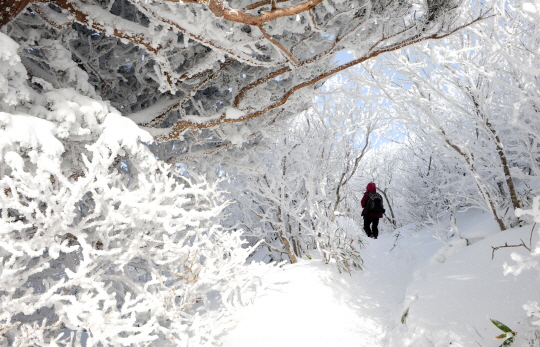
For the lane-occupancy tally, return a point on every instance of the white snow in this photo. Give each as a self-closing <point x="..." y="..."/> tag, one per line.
<point x="30" y="132"/>
<point x="450" y="292"/>
<point x="13" y="89"/>
<point x="528" y="7"/>
<point x="234" y="113"/>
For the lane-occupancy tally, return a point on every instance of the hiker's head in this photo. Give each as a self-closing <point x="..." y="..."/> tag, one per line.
<point x="371" y="187"/>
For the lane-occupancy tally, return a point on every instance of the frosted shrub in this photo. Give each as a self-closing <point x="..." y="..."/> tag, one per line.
<point x="100" y="243"/>
<point x="341" y="247"/>
<point x="290" y="194"/>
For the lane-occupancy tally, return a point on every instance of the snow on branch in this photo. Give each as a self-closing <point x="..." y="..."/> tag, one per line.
<point x="166" y="61"/>
<point x="103" y="244"/>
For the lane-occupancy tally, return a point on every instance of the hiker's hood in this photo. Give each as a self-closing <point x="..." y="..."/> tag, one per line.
<point x="371" y="187"/>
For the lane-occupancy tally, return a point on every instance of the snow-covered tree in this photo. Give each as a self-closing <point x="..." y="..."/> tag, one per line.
<point x="473" y="98"/>
<point x="290" y="192"/>
<point x="100" y="242"/>
<point x="212" y="74"/>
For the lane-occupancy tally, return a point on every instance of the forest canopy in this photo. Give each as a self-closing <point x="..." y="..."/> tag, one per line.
<point x="210" y="75"/>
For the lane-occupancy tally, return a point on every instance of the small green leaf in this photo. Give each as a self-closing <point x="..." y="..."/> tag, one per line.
<point x="501" y="326"/>
<point x="404" y="316"/>
<point x="501" y="336"/>
<point x="508" y="342"/>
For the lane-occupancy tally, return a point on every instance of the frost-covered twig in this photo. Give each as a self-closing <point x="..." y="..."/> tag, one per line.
<point x="522" y="244"/>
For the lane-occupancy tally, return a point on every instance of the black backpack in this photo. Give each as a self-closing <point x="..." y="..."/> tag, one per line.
<point x="374" y="204"/>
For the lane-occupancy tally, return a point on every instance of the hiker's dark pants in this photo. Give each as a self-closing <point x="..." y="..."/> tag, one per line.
<point x="374" y="230"/>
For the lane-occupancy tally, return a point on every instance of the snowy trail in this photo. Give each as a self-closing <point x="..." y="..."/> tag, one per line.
<point x="450" y="292"/>
<point x="311" y="304"/>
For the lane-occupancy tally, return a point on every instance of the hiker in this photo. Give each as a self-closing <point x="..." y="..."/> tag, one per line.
<point x="373" y="210"/>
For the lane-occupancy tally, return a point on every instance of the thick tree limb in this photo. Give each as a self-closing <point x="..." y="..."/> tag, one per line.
<point x="149" y="12"/>
<point x="11" y="9"/>
<point x="183" y="125"/>
<point x="239" y="16"/>
<point x="258" y="82"/>
<point x="218" y="8"/>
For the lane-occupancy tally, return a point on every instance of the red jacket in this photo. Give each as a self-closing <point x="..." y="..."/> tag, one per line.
<point x="371" y="188"/>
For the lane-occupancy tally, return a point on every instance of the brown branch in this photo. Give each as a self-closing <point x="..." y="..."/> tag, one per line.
<point x="98" y="24"/>
<point x="280" y="113"/>
<point x="140" y="38"/>
<point x="315" y="26"/>
<point x="10" y="9"/>
<point x="287" y="54"/>
<point x="204" y="73"/>
<point x="303" y="40"/>
<point x="203" y="83"/>
<point x="259" y="82"/>
<point x="352" y="63"/>
<point x="93" y="23"/>
<point x="151" y="13"/>
<point x="161" y="117"/>
<point x="218" y="8"/>
<point x="522" y="244"/>
<point x="156" y="121"/>
<point x="287" y="69"/>
<point x="163" y="114"/>
<point x="192" y="276"/>
<point x="334" y="44"/>
<point x="273" y="248"/>
<point x="183" y="125"/>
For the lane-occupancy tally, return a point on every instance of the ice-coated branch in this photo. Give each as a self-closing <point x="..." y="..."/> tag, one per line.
<point x="180" y="65"/>
<point x="218" y="8"/>
<point x="287" y="54"/>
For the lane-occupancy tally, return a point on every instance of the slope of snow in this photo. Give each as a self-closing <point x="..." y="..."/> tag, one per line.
<point x="450" y="292"/>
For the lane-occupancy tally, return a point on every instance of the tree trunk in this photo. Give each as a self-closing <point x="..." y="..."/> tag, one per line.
<point x="507" y="175"/>
<point x="393" y="221"/>
<point x="284" y="239"/>
<point x="477" y="180"/>
<point x="500" y="152"/>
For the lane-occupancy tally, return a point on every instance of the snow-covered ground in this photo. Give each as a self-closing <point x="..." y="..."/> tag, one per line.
<point x="450" y="292"/>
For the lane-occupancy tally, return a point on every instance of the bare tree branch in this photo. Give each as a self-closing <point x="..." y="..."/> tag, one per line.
<point x="522" y="244"/>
